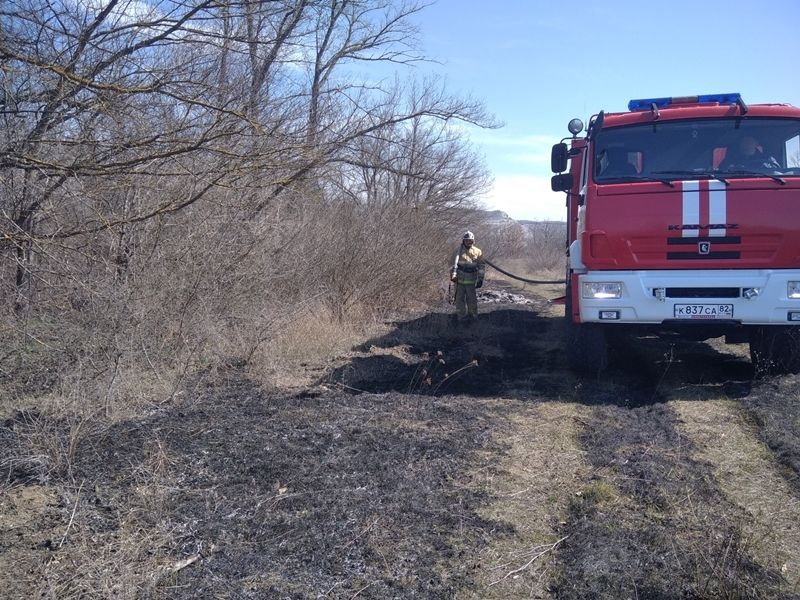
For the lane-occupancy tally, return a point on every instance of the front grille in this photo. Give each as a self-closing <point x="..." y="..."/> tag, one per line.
<point x="709" y="256"/>
<point x="694" y="292"/>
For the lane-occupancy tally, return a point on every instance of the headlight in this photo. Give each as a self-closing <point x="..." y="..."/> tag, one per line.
<point x="603" y="290"/>
<point x="793" y="290"/>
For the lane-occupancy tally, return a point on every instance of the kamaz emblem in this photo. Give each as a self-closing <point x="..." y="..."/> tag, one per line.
<point x="704" y="247"/>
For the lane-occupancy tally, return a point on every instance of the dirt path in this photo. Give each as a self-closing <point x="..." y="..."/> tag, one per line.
<point x="433" y="462"/>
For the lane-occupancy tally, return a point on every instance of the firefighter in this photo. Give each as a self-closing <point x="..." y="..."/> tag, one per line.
<point x="467" y="273"/>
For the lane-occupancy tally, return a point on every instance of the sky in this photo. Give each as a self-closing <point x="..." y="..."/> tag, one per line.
<point x="537" y="64"/>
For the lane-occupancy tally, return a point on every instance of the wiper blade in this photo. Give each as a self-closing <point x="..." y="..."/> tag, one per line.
<point x="626" y="178"/>
<point x="772" y="176"/>
<point x="696" y="173"/>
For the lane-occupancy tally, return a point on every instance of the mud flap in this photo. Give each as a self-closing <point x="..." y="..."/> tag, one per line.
<point x="775" y="350"/>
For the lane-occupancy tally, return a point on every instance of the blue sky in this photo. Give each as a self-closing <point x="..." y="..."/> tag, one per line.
<point x="538" y="64"/>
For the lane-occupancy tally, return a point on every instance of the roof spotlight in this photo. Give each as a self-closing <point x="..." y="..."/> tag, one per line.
<point x="575" y="126"/>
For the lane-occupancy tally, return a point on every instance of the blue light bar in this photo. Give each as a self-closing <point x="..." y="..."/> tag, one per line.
<point x="647" y="103"/>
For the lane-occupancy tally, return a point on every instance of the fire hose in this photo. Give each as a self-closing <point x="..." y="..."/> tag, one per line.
<point x="539" y="281"/>
<point x="450" y="298"/>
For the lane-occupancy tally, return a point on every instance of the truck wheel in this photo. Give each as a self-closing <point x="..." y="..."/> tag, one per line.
<point x="587" y="348"/>
<point x="775" y="350"/>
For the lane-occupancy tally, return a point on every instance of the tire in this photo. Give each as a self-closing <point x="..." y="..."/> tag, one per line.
<point x="586" y="343"/>
<point x="775" y="350"/>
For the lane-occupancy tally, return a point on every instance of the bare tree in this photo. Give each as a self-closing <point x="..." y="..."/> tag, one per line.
<point x="341" y="110"/>
<point x="173" y="174"/>
<point x="99" y="92"/>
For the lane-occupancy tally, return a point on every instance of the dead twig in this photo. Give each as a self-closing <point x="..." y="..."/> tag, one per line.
<point x="449" y="377"/>
<point x="535" y="557"/>
<point x="347" y="387"/>
<point x="72" y="518"/>
<point x="182" y="564"/>
<point x="358" y="593"/>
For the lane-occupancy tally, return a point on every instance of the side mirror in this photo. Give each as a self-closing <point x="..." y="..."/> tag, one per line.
<point x="559" y="157"/>
<point x="561" y="183"/>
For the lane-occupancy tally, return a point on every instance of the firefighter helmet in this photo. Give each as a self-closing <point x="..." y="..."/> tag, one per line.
<point x="468" y="235"/>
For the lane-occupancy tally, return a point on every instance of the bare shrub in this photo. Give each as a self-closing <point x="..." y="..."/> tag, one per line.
<point x="379" y="259"/>
<point x="500" y="240"/>
<point x="46" y="440"/>
<point x="545" y="244"/>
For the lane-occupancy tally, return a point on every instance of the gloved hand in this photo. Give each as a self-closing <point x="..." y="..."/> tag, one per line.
<point x="479" y="282"/>
<point x="453" y="278"/>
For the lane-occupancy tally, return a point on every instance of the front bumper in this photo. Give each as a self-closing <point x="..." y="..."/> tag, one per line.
<point x="649" y="297"/>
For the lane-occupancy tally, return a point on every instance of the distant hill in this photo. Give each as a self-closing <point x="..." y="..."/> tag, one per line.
<point x="495" y="217"/>
<point x="499" y="217"/>
<point x="528" y="222"/>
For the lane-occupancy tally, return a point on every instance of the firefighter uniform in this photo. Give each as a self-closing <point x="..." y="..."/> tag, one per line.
<point x="467" y="273"/>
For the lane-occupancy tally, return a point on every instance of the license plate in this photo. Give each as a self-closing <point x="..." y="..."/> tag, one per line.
<point x="703" y="311"/>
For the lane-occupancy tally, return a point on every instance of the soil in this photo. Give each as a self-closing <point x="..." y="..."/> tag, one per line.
<point x="436" y="461"/>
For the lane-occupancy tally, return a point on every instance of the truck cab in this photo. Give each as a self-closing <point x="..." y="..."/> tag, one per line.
<point x="684" y="219"/>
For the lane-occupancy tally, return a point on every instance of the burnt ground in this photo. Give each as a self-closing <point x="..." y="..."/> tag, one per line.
<point x="389" y="478"/>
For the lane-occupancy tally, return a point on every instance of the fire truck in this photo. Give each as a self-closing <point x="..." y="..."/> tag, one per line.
<point x="683" y="219"/>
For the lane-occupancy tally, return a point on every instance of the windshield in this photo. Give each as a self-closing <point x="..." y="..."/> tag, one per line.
<point x="696" y="149"/>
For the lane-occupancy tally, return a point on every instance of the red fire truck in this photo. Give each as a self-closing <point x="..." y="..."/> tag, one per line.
<point x="684" y="219"/>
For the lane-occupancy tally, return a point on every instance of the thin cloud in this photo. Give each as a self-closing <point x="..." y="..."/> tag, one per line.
<point x="516" y="150"/>
<point x="526" y="197"/>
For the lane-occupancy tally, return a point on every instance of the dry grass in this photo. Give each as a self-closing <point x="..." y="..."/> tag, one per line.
<point x="27" y="512"/>
<point x="119" y="547"/>
<point x="538" y="468"/>
<point x="531" y="487"/>
<point x="747" y="474"/>
<point x="127" y="564"/>
<point x="50" y="428"/>
<point x="76" y="543"/>
<point x="309" y="345"/>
